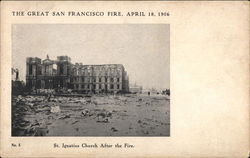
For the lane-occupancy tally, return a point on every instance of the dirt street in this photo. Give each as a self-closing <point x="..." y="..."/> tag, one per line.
<point x="123" y="115"/>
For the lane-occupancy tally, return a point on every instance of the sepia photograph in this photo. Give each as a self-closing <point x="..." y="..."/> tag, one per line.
<point x="90" y="80"/>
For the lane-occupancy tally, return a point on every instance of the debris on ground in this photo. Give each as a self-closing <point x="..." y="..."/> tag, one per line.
<point x="113" y="129"/>
<point x="74" y="122"/>
<point x="55" y="109"/>
<point x="85" y="112"/>
<point x="64" y="117"/>
<point x="90" y="115"/>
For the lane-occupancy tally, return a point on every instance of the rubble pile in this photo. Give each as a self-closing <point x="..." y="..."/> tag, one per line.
<point x="22" y="108"/>
<point x="121" y="115"/>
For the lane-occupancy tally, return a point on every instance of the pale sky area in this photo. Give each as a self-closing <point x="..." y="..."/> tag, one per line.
<point x="143" y="49"/>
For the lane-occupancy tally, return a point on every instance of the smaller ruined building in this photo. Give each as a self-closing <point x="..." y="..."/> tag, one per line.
<point x="62" y="74"/>
<point x="136" y="89"/>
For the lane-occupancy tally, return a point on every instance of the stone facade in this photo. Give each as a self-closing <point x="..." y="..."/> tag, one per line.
<point x="62" y="74"/>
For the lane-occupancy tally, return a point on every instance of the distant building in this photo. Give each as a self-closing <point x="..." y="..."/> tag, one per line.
<point x="62" y="74"/>
<point x="135" y="89"/>
<point x="18" y="87"/>
<point x="14" y="74"/>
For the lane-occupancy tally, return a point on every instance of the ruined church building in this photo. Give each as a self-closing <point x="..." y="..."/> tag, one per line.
<point x="62" y="74"/>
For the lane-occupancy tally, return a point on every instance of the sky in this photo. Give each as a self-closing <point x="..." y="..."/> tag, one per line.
<point x="143" y="49"/>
